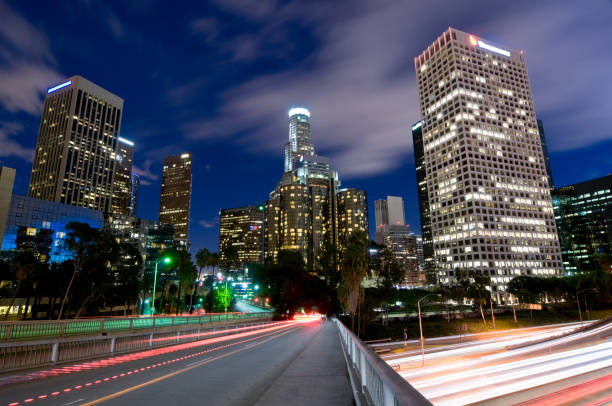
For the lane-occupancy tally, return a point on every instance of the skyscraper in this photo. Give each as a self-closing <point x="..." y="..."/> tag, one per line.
<point x="242" y="227"/>
<point x="584" y="218"/>
<point x="175" y="199"/>
<point x="135" y="189"/>
<point x="487" y="184"/>
<point x="403" y="245"/>
<point x="352" y="213"/>
<point x="421" y="177"/>
<point x="389" y="211"/>
<point x="122" y="186"/>
<point x="551" y="184"/>
<point x="299" y="144"/>
<point x="76" y="152"/>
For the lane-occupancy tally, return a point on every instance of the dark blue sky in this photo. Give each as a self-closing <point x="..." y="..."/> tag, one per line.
<point x="217" y="79"/>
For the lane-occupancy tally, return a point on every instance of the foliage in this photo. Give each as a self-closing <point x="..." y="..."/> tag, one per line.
<point x="354" y="268"/>
<point x="388" y="270"/>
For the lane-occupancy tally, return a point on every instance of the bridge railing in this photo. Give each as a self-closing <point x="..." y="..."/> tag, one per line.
<point x="379" y="383"/>
<point x="41" y="329"/>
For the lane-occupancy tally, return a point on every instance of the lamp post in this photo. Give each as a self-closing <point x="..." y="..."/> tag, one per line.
<point x="165" y="260"/>
<point x="421" y="326"/>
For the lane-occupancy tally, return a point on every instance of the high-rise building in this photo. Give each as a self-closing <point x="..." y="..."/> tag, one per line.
<point x="487" y="185"/>
<point x="242" y="227"/>
<point x="149" y="237"/>
<point x="175" y="197"/>
<point x="584" y="219"/>
<point x="352" y="213"/>
<point x="403" y="245"/>
<point x="7" y="179"/>
<point x="551" y="184"/>
<point x="421" y="177"/>
<point x="389" y="211"/>
<point x="134" y="194"/>
<point x="299" y="144"/>
<point x="122" y="187"/>
<point x="77" y="149"/>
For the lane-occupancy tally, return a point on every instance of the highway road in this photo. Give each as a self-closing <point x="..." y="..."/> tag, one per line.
<point x="242" y="370"/>
<point x="513" y="366"/>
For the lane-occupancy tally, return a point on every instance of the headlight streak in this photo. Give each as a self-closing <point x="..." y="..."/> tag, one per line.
<point x="504" y="372"/>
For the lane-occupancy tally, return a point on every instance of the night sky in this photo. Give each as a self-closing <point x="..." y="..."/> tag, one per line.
<point x="218" y="78"/>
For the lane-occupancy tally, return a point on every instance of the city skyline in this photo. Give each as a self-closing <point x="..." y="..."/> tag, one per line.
<point x="239" y="149"/>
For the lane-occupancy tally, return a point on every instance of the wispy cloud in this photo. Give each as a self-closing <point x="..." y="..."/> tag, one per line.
<point x="211" y="223"/>
<point x="27" y="66"/>
<point x="10" y="147"/>
<point x="146" y="176"/>
<point x="360" y="85"/>
<point x="115" y="25"/>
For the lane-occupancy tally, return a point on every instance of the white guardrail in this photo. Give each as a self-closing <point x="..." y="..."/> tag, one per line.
<point x="380" y="384"/>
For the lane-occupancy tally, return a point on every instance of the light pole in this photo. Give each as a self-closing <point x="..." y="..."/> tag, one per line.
<point x="421" y="326"/>
<point x="165" y="260"/>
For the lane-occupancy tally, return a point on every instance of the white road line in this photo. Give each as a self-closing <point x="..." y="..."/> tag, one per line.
<point x="73" y="402"/>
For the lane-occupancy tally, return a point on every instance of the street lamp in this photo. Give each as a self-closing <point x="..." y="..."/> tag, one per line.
<point x="421" y="325"/>
<point x="165" y="260"/>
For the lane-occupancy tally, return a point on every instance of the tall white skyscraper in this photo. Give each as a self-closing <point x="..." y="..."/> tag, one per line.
<point x="299" y="144"/>
<point x="78" y="144"/>
<point x="487" y="184"/>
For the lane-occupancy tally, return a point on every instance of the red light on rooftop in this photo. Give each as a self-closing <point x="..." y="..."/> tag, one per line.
<point x="473" y="40"/>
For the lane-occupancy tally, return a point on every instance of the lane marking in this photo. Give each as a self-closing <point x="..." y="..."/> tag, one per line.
<point x="200" y="360"/>
<point x="180" y="371"/>
<point x="73" y="402"/>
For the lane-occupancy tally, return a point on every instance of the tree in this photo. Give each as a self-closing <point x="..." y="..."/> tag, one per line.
<point x="128" y="278"/>
<point x="22" y="266"/>
<point x="388" y="270"/>
<point x="354" y="268"/>
<point x="92" y="252"/>
<point x="474" y="284"/>
<point x="203" y="259"/>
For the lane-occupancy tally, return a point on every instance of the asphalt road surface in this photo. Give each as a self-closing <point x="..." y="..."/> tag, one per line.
<point x="253" y="368"/>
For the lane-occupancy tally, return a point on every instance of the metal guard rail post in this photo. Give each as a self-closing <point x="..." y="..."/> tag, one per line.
<point x="380" y="384"/>
<point x="37" y="329"/>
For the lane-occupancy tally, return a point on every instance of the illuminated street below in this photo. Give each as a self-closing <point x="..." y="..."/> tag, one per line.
<point x="512" y="366"/>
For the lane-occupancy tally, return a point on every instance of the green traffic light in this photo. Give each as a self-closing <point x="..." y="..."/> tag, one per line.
<point x="260" y="208"/>
<point x="167" y="260"/>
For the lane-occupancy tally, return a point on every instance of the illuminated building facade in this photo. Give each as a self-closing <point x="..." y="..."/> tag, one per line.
<point x="77" y="149"/>
<point x="404" y="246"/>
<point x="242" y="227"/>
<point x="122" y="187"/>
<point x="584" y="219"/>
<point x="551" y="184"/>
<point x="388" y="211"/>
<point x="135" y="188"/>
<point x="175" y="197"/>
<point x="421" y="177"/>
<point x="301" y="211"/>
<point x="299" y="144"/>
<point x="150" y="237"/>
<point x="39" y="226"/>
<point x="352" y="213"/>
<point x="487" y="186"/>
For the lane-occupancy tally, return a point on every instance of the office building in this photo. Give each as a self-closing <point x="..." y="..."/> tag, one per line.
<point x="584" y="220"/>
<point x="487" y="185"/>
<point x="551" y="183"/>
<point x="242" y="227"/>
<point x="299" y="144"/>
<point x="421" y="178"/>
<point x="175" y="197"/>
<point x="389" y="211"/>
<point x="122" y="187"/>
<point x="77" y="148"/>
<point x="135" y="188"/>
<point x="150" y="237"/>
<point x="403" y="245"/>
<point x="7" y="179"/>
<point x="352" y="214"/>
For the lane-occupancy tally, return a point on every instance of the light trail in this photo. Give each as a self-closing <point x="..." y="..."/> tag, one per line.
<point x="510" y="364"/>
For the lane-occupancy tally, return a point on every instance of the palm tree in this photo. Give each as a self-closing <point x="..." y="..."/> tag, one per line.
<point x="354" y="268"/>
<point x="202" y="261"/>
